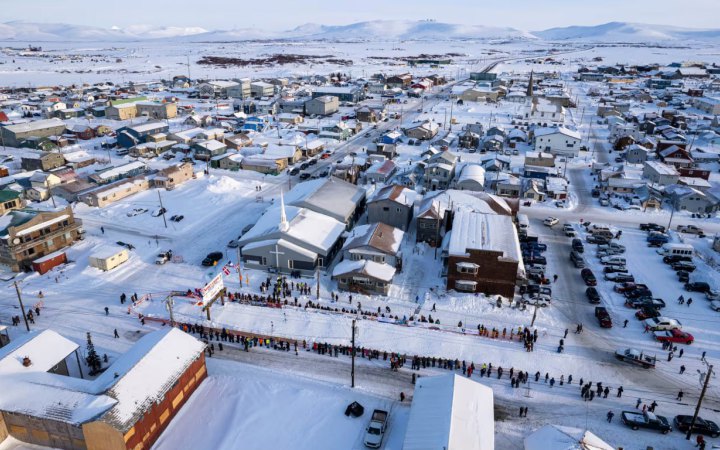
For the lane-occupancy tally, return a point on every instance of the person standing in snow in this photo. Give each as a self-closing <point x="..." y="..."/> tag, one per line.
<point x="637" y="405"/>
<point x="680" y="395"/>
<point x="610" y="416"/>
<point x="116" y="334"/>
<point x="107" y="311"/>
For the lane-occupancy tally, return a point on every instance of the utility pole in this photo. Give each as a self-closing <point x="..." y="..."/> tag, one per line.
<point x="238" y="267"/>
<point x="672" y="213"/>
<point x="697" y="408"/>
<point x="451" y="115"/>
<point x="169" y="303"/>
<point x="162" y="209"/>
<point x="352" y="359"/>
<point x="536" y="304"/>
<point x="22" y="308"/>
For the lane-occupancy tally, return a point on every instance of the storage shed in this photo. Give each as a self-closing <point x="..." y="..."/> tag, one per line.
<point x="108" y="258"/>
<point x="48" y="262"/>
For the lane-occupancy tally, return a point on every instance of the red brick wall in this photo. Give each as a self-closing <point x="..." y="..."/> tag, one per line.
<point x="152" y="416"/>
<point x="494" y="277"/>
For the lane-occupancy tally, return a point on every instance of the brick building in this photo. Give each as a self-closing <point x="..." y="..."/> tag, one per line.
<point x="483" y="254"/>
<point x="126" y="407"/>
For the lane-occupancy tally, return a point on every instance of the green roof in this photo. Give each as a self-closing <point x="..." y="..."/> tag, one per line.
<point x="8" y="194"/>
<point x="128" y="100"/>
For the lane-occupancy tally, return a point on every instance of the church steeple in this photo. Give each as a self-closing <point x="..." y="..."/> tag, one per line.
<point x="284" y="225"/>
<point x="529" y="92"/>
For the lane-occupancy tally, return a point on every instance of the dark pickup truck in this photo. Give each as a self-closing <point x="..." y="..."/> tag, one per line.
<point x="652" y="227"/>
<point x="636" y="420"/>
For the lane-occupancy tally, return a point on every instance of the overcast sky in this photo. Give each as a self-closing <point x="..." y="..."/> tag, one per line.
<point x="284" y="14"/>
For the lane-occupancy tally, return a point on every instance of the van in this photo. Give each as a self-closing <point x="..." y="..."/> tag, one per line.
<point x="122" y="151"/>
<point x="523" y="221"/>
<point x="577" y="259"/>
<point x="577" y="245"/>
<point x="676" y="250"/>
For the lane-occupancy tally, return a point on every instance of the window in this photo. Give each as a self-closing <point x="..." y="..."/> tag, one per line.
<point x="385" y="208"/>
<point x="465" y="285"/>
<point x="164" y="416"/>
<point x="176" y="401"/>
<point x="465" y="267"/>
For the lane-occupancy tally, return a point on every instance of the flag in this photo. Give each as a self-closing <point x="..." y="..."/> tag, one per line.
<point x="226" y="271"/>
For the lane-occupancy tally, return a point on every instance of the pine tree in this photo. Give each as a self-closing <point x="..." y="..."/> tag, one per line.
<point x="92" y="358"/>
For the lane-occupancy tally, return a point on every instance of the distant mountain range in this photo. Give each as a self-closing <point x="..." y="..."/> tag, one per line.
<point x="390" y="30"/>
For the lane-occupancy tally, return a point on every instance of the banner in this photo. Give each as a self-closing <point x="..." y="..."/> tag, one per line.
<point x="212" y="289"/>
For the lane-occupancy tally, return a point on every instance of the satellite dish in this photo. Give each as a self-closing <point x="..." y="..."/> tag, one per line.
<point x="16" y="241"/>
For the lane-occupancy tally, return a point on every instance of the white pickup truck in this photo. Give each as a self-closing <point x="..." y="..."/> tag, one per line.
<point x="691" y="229"/>
<point x="376" y="429"/>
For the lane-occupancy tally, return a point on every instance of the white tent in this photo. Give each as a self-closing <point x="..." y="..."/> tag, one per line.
<point x="552" y="437"/>
<point x="451" y="412"/>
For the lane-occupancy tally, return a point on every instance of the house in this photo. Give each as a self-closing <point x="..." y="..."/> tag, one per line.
<point x="240" y="90"/>
<point x="556" y="188"/>
<point x="507" y="185"/>
<point x="471" y="178"/>
<point x="376" y="242"/>
<point x="105" y="194"/>
<point x="10" y="200"/>
<point x="363" y="276"/>
<point x="173" y="176"/>
<point x="116" y="173"/>
<point x="325" y="105"/>
<point x="533" y="189"/>
<point x="208" y="149"/>
<point x="40" y="185"/>
<point x="238" y="141"/>
<point x="399" y="81"/>
<point x="425" y="131"/>
<point x="26" y="234"/>
<point x="345" y="94"/>
<point x="260" y="89"/>
<point x="623" y="185"/>
<point x="83" y="132"/>
<point x="290" y="118"/>
<point x="392" y="205"/>
<point x="694" y="201"/>
<point x="558" y="141"/>
<point x="157" y="110"/>
<point x="708" y="105"/>
<point x="231" y="161"/>
<point x="468" y="139"/>
<point x="44" y="161"/>
<point x="332" y="197"/>
<point x="290" y="153"/>
<point x="440" y="171"/>
<point x="262" y="164"/>
<point x="540" y="159"/>
<point x="675" y="155"/>
<point x="216" y="88"/>
<point x="381" y="171"/>
<point x="128" y="406"/>
<point x="131" y="136"/>
<point x="108" y="257"/>
<point x="636" y="154"/>
<point x="539" y="172"/>
<point x="483" y="254"/>
<point x="660" y="173"/>
<point x="451" y="412"/>
<point x="14" y="135"/>
<point x="121" y="111"/>
<point x="542" y="113"/>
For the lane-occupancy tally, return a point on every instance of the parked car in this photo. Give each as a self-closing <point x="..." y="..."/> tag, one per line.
<point x="551" y="221"/>
<point x="672" y="259"/>
<point x="615" y="268"/>
<point x="637" y="420"/>
<point x="712" y="294"/>
<point x="294" y="171"/>
<point x="628" y="286"/>
<point x="592" y="295"/>
<point x="570" y="232"/>
<point x="212" y="259"/>
<point x="662" y="323"/>
<point x="588" y="277"/>
<point x="647" y="312"/>
<point x="715" y="305"/>
<point x="656" y="303"/>
<point x="603" y="317"/>
<point x="684" y="266"/>
<point x="137" y="212"/>
<point x="691" y="229"/>
<point x="305" y="175"/>
<point x="618" y="277"/>
<point x="652" y="227"/>
<point x="702" y="426"/>
<point x="674" y="336"/>
<point x="592" y="239"/>
<point x="683" y="277"/>
<point x="610" y="260"/>
<point x="159" y="212"/>
<point x="612" y="245"/>
<point x="640" y="292"/>
<point x="578" y="246"/>
<point x="126" y="245"/>
<point x="697" y="286"/>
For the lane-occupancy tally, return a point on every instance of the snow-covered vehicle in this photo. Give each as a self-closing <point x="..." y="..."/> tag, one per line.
<point x="690" y="229"/>
<point x="137" y="212"/>
<point x="662" y="323"/>
<point x="635" y="356"/>
<point x="636" y="420"/>
<point x="163" y="257"/>
<point x="375" y="430"/>
<point x="551" y="221"/>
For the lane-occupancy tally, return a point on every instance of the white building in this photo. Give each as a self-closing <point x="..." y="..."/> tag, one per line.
<point x="557" y="141"/>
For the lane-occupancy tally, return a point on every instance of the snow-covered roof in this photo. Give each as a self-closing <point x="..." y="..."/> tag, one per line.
<point x="478" y="231"/>
<point x="451" y="412"/>
<point x="379" y="236"/>
<point x="331" y="196"/>
<point x="148" y="126"/>
<point x="396" y="193"/>
<point x="547" y="131"/>
<point x="35" y="126"/>
<point x="120" y="170"/>
<point x="107" y="251"/>
<point x="44" y="348"/>
<point x="472" y="172"/>
<point x="379" y="271"/>
<point x="553" y="437"/>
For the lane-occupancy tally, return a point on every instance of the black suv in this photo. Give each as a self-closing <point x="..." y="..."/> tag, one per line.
<point x="683" y="265"/>
<point x="671" y="259"/>
<point x="592" y="295"/>
<point x="212" y="259"/>
<point x="697" y="286"/>
<point x="702" y="426"/>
